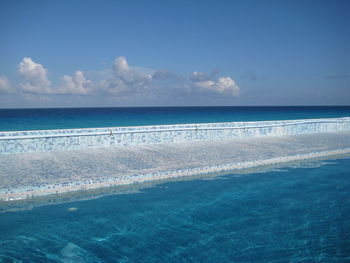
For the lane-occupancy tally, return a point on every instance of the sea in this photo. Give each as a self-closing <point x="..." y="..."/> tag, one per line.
<point x="299" y="212"/>
<point x="67" y="118"/>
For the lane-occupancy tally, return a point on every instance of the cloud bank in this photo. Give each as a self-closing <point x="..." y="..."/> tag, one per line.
<point x="122" y="81"/>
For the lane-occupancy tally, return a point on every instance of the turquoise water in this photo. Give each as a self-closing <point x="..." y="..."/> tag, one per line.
<point x="289" y="215"/>
<point x="42" y="119"/>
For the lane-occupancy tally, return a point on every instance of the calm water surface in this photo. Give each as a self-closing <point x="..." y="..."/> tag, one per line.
<point x="290" y="215"/>
<point x="41" y="119"/>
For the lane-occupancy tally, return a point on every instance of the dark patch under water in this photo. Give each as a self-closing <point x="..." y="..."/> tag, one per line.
<point x="290" y="215"/>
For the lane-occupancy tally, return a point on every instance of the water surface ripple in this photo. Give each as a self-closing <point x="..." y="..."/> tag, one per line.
<point x="288" y="215"/>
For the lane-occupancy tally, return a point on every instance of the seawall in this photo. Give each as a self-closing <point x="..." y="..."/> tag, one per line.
<point x="55" y="140"/>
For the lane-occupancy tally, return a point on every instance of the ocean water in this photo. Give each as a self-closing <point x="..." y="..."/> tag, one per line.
<point x="294" y="214"/>
<point x="42" y="119"/>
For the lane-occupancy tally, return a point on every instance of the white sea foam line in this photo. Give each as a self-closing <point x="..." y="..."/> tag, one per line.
<point x="165" y="128"/>
<point x="28" y="192"/>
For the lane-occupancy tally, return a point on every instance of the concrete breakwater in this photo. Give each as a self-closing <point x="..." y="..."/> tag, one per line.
<point x="27" y="175"/>
<point x="102" y="182"/>
<point x="56" y="140"/>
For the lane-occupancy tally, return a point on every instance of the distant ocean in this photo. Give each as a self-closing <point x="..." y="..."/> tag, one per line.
<point x="36" y="119"/>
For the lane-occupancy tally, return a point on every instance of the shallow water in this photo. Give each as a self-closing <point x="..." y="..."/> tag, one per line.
<point x="287" y="215"/>
<point x="65" y="118"/>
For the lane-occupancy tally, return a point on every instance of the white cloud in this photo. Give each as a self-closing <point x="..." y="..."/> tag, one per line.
<point x="34" y="77"/>
<point x="121" y="66"/>
<point x="127" y="80"/>
<point x="5" y="86"/>
<point x="197" y="76"/>
<point x="130" y="81"/>
<point x="123" y="81"/>
<point x="77" y="84"/>
<point x="228" y="86"/>
<point x="35" y="80"/>
<point x="224" y="85"/>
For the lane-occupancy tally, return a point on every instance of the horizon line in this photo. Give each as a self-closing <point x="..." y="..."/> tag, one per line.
<point x="176" y="106"/>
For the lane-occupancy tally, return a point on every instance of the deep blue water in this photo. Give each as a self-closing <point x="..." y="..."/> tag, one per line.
<point x="293" y="215"/>
<point x="36" y="119"/>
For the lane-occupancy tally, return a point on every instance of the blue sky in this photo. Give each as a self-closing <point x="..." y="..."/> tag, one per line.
<point x="173" y="53"/>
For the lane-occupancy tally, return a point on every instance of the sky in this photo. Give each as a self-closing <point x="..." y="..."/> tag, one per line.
<point x="174" y="53"/>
